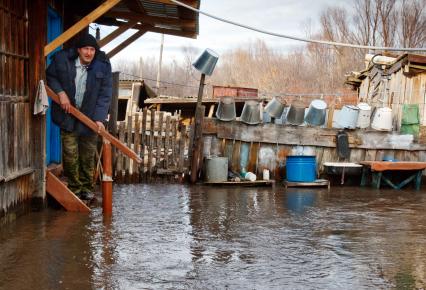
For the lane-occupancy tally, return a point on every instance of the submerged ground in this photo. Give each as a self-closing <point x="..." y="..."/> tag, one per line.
<point x="181" y="237"/>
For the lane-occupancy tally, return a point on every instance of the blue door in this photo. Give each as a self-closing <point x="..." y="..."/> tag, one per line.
<point x="53" y="133"/>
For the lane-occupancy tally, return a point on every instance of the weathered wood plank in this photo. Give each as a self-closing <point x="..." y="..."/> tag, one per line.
<point x="129" y="141"/>
<point x="151" y="144"/>
<point x="306" y="136"/>
<point x="120" y="157"/>
<point x="159" y="140"/>
<point x="182" y="147"/>
<point x="136" y="148"/>
<point x="167" y="142"/>
<point x="63" y="195"/>
<point x="80" y="25"/>
<point x="144" y="141"/>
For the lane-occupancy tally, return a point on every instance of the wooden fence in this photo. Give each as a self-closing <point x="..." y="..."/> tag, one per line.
<point x="266" y="146"/>
<point x="160" y="139"/>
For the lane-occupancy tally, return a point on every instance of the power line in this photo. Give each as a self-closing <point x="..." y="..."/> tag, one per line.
<point x="296" y="38"/>
<point x="164" y="82"/>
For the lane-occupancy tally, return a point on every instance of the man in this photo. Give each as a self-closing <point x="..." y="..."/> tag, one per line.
<point x="82" y="78"/>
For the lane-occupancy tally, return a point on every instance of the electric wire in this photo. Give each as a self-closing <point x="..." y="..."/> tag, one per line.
<point x="332" y="43"/>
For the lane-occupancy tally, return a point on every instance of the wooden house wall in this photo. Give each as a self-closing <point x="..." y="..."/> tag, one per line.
<point x="16" y="163"/>
<point x="22" y="39"/>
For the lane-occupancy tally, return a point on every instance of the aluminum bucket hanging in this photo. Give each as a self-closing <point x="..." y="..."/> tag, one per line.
<point x="348" y="117"/>
<point x="316" y="113"/>
<point x="364" y="116"/>
<point x="275" y="108"/>
<point x="226" y="109"/>
<point x="206" y="62"/>
<point x="382" y="120"/>
<point x="295" y="114"/>
<point x="252" y="113"/>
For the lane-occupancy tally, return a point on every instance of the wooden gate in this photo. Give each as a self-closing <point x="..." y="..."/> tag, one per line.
<point x="160" y="139"/>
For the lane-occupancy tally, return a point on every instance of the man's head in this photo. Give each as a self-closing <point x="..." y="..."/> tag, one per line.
<point x="87" y="47"/>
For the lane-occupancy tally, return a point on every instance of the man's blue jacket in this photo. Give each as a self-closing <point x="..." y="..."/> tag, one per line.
<point x="97" y="98"/>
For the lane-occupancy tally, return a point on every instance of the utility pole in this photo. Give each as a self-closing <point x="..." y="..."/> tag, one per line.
<point x="159" y="64"/>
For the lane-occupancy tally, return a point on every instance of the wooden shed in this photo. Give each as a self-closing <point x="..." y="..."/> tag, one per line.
<point x="393" y="82"/>
<point x="30" y="30"/>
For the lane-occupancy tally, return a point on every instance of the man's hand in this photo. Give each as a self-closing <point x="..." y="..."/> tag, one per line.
<point x="64" y="101"/>
<point x="100" y="126"/>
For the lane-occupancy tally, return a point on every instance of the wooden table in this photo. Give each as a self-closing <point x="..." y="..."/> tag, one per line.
<point x="378" y="168"/>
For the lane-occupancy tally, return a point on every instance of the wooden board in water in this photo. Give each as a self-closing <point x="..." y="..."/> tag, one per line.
<point x="244" y="183"/>
<point x="316" y="183"/>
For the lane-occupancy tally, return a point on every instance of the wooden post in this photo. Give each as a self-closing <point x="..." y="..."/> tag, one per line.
<point x="37" y="13"/>
<point x="200" y="92"/>
<point x="113" y="112"/>
<point x="107" y="178"/>
<point x="197" y="144"/>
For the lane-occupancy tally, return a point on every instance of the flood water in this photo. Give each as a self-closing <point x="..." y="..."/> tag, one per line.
<point x="198" y="237"/>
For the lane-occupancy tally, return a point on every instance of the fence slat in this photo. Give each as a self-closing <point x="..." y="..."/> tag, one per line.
<point x="174" y="145"/>
<point x="136" y="148"/>
<point x="120" y="167"/>
<point x="129" y="140"/>
<point x="144" y="141"/>
<point x="159" y="141"/>
<point x="151" y="143"/>
<point x="182" y="147"/>
<point x="166" y="143"/>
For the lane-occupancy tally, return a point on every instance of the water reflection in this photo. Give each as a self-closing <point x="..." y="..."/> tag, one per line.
<point x="179" y="237"/>
<point x="298" y="200"/>
<point x="46" y="251"/>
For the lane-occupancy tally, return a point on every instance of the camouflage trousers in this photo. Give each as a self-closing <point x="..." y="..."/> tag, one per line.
<point x="78" y="158"/>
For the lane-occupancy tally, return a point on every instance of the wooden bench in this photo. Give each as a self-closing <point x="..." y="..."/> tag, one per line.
<point x="378" y="168"/>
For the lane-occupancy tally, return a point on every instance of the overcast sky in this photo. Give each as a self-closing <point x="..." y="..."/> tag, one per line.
<point x="290" y="17"/>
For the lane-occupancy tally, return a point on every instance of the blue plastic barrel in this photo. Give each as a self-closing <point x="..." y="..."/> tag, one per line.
<point x="301" y="168"/>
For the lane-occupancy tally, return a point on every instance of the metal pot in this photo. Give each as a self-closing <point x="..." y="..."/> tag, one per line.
<point x="316" y="113"/>
<point x="252" y="113"/>
<point x="206" y="62"/>
<point x="348" y="117"/>
<point x="295" y="114"/>
<point x="275" y="108"/>
<point x="226" y="109"/>
<point x="364" y="116"/>
<point x="382" y="119"/>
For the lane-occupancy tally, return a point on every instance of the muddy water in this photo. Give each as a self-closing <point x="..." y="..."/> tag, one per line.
<point x="179" y="237"/>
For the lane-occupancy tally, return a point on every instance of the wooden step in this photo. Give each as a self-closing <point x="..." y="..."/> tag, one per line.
<point x="63" y="195"/>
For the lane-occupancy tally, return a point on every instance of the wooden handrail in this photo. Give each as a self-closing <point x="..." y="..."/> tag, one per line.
<point x="92" y="125"/>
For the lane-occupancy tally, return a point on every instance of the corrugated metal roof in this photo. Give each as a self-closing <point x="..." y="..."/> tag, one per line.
<point x="159" y="17"/>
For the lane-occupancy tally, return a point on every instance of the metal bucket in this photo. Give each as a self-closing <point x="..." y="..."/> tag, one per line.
<point x="252" y="113"/>
<point x="316" y="113"/>
<point x="226" y="109"/>
<point x="206" y="62"/>
<point x="216" y="169"/>
<point x="275" y="108"/>
<point x="295" y="114"/>
<point x="348" y="117"/>
<point x="364" y="116"/>
<point x="382" y="120"/>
